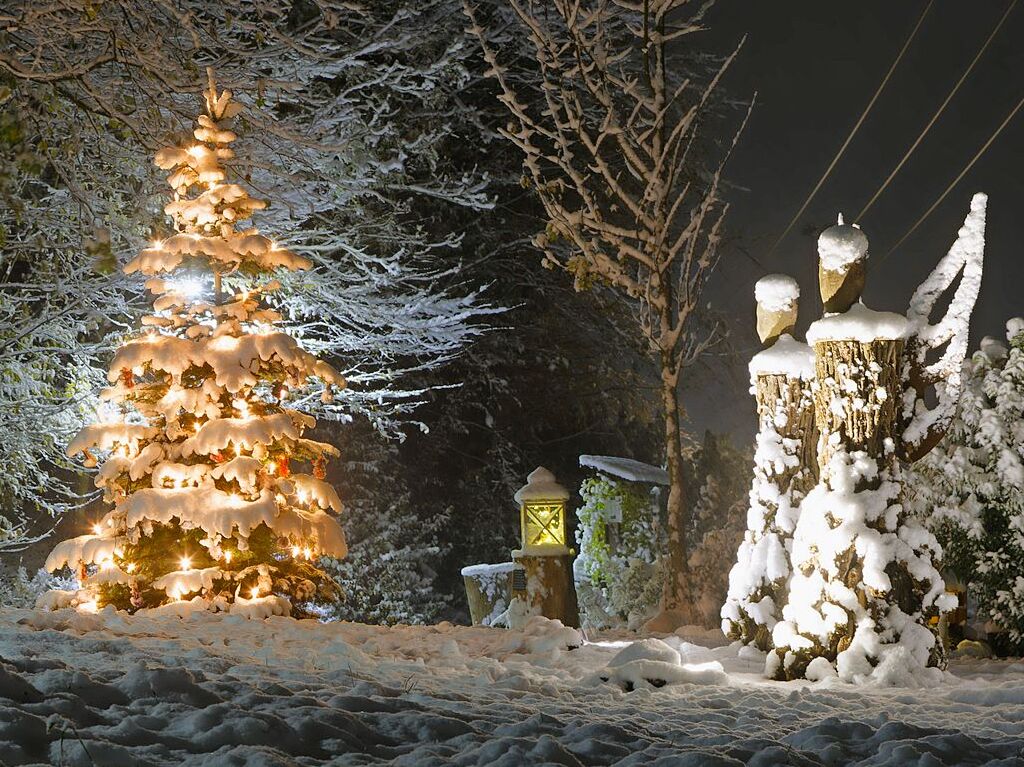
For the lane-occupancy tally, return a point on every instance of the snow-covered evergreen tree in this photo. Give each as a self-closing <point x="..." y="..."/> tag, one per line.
<point x="354" y="107"/>
<point x="396" y="540"/>
<point x="208" y="506"/>
<point x="970" y="489"/>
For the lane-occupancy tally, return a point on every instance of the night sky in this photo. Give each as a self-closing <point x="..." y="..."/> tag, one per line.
<point x="814" y="67"/>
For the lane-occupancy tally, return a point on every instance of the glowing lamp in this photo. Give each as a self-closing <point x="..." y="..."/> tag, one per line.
<point x="542" y="513"/>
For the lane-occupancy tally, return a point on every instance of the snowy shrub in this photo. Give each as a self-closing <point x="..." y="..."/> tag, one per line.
<point x="970" y="489"/>
<point x="17" y="589"/>
<point x="395" y="544"/>
<point x="618" y="570"/>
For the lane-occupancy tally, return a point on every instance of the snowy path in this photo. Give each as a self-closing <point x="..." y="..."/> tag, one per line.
<point x="80" y="689"/>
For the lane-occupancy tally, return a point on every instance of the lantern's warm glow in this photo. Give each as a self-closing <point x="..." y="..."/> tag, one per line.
<point x="543" y="523"/>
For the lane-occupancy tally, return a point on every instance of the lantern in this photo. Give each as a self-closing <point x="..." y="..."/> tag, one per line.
<point x="542" y="513"/>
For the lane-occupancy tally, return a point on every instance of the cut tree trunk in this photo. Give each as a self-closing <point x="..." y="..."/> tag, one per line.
<point x="778" y="393"/>
<point x="856" y="406"/>
<point x="784" y="405"/>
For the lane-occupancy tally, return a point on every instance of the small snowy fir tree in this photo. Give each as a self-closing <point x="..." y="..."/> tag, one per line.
<point x="970" y="489"/>
<point x="784" y="470"/>
<point x="209" y="510"/>
<point x="866" y="583"/>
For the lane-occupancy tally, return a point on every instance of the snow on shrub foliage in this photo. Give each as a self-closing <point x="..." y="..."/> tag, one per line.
<point x="970" y="489"/>
<point x="618" y="582"/>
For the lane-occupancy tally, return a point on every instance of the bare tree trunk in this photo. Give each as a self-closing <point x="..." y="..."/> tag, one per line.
<point x="677" y="578"/>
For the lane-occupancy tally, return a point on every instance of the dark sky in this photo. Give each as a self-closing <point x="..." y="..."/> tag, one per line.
<point x="815" y="66"/>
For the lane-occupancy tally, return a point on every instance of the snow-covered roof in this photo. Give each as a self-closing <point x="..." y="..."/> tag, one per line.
<point x="626" y="468"/>
<point x="858" y="323"/>
<point x="541" y="485"/>
<point x="786" y="356"/>
<point x="777" y="292"/>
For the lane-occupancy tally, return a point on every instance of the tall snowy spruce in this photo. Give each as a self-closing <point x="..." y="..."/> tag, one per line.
<point x="202" y="464"/>
<point x="866" y="584"/>
<point x="784" y="466"/>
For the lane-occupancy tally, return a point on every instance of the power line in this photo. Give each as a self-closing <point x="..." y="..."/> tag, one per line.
<point x="853" y="132"/>
<point x="935" y="116"/>
<point x="956" y="180"/>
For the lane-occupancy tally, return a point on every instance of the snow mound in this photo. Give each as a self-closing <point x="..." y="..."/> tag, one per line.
<point x="652" y="663"/>
<point x="858" y="324"/>
<point x="777" y="292"/>
<point x="840" y="246"/>
<point x="786" y="356"/>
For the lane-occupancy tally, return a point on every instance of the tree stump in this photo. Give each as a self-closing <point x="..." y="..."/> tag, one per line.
<point x="862" y="570"/>
<point x="488" y="590"/>
<point x="549" y="586"/>
<point x="785" y="470"/>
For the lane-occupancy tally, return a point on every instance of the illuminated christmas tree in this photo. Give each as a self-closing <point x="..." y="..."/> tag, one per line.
<point x="210" y="508"/>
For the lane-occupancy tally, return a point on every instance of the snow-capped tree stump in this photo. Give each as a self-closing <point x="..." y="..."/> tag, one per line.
<point x="785" y="468"/>
<point x="865" y="582"/>
<point x="489" y="590"/>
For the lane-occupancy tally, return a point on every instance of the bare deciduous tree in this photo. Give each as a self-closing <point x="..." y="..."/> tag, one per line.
<point x="613" y="144"/>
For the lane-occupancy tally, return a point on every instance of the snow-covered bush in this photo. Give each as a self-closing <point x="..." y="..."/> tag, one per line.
<point x="618" y="571"/>
<point x="970" y="489"/>
<point x="395" y="541"/>
<point x="17" y="589"/>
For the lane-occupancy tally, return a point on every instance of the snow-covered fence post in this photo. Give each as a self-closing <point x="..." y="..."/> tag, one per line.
<point x="544" y="555"/>
<point x="866" y="584"/>
<point x="785" y="467"/>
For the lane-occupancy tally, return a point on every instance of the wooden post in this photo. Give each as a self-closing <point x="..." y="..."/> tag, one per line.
<point x="549" y="586"/>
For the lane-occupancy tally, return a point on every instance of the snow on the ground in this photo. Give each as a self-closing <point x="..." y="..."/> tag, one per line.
<point x="108" y="689"/>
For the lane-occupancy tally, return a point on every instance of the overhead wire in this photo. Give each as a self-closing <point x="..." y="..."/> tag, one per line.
<point x="938" y="113"/>
<point x="856" y="127"/>
<point x="956" y="180"/>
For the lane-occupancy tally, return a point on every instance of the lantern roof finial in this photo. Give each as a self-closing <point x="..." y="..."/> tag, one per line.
<point x="541" y="485"/>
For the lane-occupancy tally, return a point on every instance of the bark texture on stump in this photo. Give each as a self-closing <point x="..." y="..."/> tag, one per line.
<point x="549" y="586"/>
<point x="857" y="398"/>
<point x="856" y="407"/>
<point x="785" y="408"/>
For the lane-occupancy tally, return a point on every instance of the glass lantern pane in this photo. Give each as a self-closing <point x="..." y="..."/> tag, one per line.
<point x="544" y="523"/>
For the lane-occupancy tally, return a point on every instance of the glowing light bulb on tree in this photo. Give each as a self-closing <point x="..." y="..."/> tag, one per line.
<point x="186" y="563"/>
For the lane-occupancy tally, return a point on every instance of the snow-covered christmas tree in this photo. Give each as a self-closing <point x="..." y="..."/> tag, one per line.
<point x="200" y="462"/>
<point x="970" y="489"/>
<point x="785" y="467"/>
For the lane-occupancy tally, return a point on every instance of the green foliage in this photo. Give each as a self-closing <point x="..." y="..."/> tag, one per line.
<point x="970" y="489"/>
<point x="620" y="551"/>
